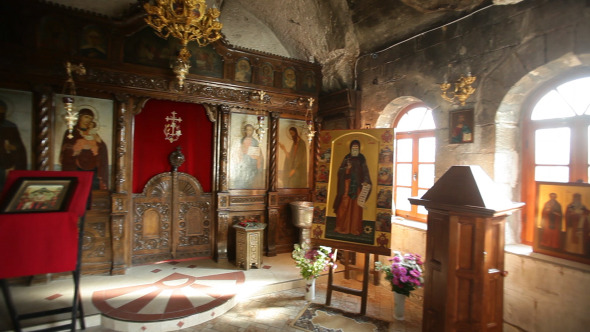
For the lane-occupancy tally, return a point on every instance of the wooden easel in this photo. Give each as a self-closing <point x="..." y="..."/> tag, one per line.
<point x="363" y="293"/>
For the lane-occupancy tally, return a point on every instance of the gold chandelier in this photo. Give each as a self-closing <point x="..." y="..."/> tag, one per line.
<point x="186" y="20"/>
<point x="463" y="89"/>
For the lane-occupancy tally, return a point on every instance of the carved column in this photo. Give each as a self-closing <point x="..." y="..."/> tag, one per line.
<point x="121" y="216"/>
<point x="43" y="104"/>
<point x="222" y="222"/>
<point x="273" y="195"/>
<point x="176" y="160"/>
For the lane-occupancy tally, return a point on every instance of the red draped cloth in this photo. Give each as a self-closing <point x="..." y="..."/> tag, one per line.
<point x="47" y="242"/>
<point x="151" y="149"/>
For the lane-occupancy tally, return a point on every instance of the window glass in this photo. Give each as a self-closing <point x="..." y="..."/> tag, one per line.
<point x="575" y="93"/>
<point x="402" y="195"/>
<point x="556" y="144"/>
<point x="426" y="178"/>
<point x="419" y="118"/>
<point x="415" y="157"/>
<point x="552" y="106"/>
<point x="404" y="150"/>
<point x="404" y="174"/>
<point x="552" y="173"/>
<point x="426" y="150"/>
<point x="552" y="146"/>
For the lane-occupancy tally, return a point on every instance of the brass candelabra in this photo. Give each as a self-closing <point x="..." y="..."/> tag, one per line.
<point x="463" y="89"/>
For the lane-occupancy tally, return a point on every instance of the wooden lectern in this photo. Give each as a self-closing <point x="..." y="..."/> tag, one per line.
<point x="464" y="286"/>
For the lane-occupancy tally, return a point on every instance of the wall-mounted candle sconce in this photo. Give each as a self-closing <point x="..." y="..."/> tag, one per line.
<point x="70" y="91"/>
<point x="463" y="89"/>
<point x="309" y="120"/>
<point x="260" y="131"/>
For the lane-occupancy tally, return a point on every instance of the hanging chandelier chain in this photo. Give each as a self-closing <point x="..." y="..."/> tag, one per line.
<point x="185" y="20"/>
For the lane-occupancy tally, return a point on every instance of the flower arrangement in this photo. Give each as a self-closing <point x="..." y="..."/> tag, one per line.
<point x="252" y="222"/>
<point x="312" y="261"/>
<point x="404" y="273"/>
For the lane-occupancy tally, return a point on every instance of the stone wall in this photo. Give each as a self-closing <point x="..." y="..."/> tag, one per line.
<point x="513" y="51"/>
<point x="500" y="45"/>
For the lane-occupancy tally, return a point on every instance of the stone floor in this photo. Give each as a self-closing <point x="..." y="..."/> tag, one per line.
<point x="269" y="299"/>
<point x="275" y="312"/>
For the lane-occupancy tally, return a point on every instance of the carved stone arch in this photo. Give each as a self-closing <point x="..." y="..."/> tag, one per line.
<point x="393" y="108"/>
<point x="508" y="128"/>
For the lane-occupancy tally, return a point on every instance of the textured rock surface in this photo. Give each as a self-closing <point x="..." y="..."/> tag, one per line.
<point x="333" y="33"/>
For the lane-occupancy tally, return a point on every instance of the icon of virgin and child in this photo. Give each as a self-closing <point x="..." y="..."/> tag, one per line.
<point x="85" y="150"/>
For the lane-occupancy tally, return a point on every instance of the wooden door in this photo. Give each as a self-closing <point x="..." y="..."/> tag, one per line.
<point x="493" y="283"/>
<point x="172" y="220"/>
<point x="464" y="286"/>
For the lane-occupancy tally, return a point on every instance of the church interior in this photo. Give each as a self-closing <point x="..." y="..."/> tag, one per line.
<point x="462" y="125"/>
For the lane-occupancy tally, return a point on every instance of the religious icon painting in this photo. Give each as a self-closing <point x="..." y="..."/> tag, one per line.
<point x="385" y="176"/>
<point x="321" y="193"/>
<point x="205" y="61"/>
<point x="309" y="83"/>
<point x="289" y="78"/>
<point x="248" y="155"/>
<point x="88" y="146"/>
<point x="266" y="74"/>
<point x="243" y="71"/>
<point x="40" y="194"/>
<point x="461" y="126"/>
<point x="93" y="42"/>
<point x="357" y="204"/>
<point x="16" y="132"/>
<point x="562" y="220"/>
<point x="293" y="154"/>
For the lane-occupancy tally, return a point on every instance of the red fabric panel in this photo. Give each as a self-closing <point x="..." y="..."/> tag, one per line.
<point x="37" y="243"/>
<point x="151" y="149"/>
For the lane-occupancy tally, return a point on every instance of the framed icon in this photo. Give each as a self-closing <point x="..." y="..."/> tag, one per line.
<point x="41" y="194"/>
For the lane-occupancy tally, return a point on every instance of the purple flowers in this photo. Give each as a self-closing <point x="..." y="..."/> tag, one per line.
<point x="404" y="273"/>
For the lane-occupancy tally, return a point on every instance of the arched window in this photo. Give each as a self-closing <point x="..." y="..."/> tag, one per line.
<point x="414" y="162"/>
<point x="555" y="142"/>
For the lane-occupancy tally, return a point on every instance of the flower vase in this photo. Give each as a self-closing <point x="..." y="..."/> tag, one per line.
<point x="399" y="305"/>
<point x="310" y="289"/>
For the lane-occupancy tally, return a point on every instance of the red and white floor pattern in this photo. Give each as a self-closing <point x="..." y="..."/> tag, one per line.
<point x="175" y="296"/>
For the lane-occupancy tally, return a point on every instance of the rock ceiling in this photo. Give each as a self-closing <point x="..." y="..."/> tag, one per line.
<point x="333" y="33"/>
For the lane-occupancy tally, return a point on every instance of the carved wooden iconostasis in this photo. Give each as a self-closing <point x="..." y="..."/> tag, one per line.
<point x="239" y="121"/>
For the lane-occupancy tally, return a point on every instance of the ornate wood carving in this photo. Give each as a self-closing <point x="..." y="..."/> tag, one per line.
<point x="246" y="200"/>
<point x="224" y="145"/>
<point x="221" y="235"/>
<point x="131" y="85"/>
<point x="91" y="244"/>
<point x="172" y="219"/>
<point x="273" y="220"/>
<point x="121" y="148"/>
<point x="43" y="106"/>
<point x="274" y="128"/>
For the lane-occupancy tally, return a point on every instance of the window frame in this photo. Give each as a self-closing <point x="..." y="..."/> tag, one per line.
<point x="578" y="163"/>
<point x="415" y="135"/>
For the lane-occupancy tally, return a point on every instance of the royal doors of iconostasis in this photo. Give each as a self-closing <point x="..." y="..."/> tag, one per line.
<point x="172" y="200"/>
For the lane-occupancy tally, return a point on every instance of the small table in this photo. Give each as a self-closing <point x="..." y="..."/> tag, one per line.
<point x="249" y="242"/>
